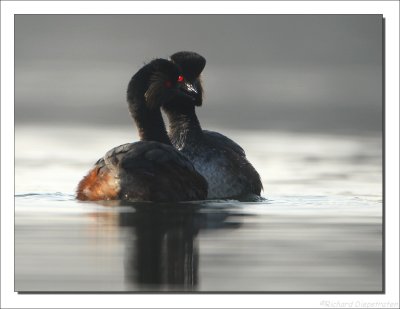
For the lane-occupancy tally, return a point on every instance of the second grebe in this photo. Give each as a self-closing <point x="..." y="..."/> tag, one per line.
<point x="219" y="159"/>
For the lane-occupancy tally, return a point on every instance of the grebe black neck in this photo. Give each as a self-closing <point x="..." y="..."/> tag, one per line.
<point x="150" y="125"/>
<point x="184" y="125"/>
<point x="146" y="92"/>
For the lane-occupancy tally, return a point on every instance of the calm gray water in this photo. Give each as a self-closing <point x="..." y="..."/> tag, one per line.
<point x="319" y="227"/>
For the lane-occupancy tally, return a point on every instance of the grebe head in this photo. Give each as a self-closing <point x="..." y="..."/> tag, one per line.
<point x="191" y="65"/>
<point x="157" y="83"/>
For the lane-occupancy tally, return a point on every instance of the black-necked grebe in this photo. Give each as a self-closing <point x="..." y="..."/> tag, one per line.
<point x="219" y="159"/>
<point x="151" y="169"/>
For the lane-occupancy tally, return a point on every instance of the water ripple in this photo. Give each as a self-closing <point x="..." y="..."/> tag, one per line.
<point x="50" y="196"/>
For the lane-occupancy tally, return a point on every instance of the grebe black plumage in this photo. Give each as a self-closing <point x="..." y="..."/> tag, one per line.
<point x="219" y="159"/>
<point x="151" y="169"/>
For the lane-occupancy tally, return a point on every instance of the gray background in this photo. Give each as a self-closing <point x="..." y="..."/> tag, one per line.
<point x="312" y="73"/>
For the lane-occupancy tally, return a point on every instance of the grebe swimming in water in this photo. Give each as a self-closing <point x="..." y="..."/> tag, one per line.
<point x="151" y="169"/>
<point x="219" y="159"/>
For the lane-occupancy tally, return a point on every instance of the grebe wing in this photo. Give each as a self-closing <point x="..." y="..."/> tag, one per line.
<point x="160" y="172"/>
<point x="223" y="141"/>
<point x="237" y="160"/>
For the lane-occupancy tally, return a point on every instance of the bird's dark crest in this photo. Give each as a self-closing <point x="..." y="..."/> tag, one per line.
<point x="191" y="63"/>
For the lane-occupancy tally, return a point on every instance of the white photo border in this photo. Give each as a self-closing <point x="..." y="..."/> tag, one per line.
<point x="11" y="299"/>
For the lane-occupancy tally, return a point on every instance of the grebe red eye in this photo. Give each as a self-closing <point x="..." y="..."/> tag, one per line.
<point x="168" y="84"/>
<point x="180" y="78"/>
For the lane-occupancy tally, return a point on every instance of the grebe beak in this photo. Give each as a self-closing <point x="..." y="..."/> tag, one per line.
<point x="189" y="91"/>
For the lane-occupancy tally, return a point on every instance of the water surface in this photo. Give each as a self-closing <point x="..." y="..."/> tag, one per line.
<point x="318" y="228"/>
